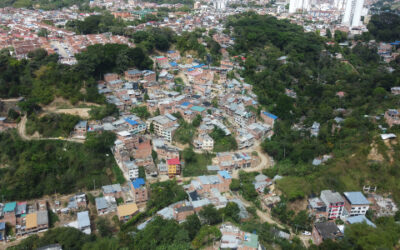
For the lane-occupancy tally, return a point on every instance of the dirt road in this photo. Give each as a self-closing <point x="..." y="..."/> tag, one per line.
<point x="21" y="128"/>
<point x="264" y="216"/>
<point x="266" y="162"/>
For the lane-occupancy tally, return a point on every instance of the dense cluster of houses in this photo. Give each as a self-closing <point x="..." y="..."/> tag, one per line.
<point x="351" y="207"/>
<point x="25" y="217"/>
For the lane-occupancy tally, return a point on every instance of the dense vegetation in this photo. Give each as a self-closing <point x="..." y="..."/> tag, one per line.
<point x="98" y="24"/>
<point x="35" y="168"/>
<point x="141" y="111"/>
<point x="98" y="113"/>
<point x="186" y="131"/>
<point x="155" y="38"/>
<point x="52" y="125"/>
<point x="41" y="78"/>
<point x="195" y="234"/>
<point x="68" y="238"/>
<point x="42" y="4"/>
<point x="385" y="27"/>
<point x="163" y="194"/>
<point x="187" y="2"/>
<point x="188" y="41"/>
<point x="222" y="142"/>
<point x="316" y="77"/>
<point x="99" y="59"/>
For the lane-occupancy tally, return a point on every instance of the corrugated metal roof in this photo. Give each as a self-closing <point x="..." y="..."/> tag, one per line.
<point x="197" y="108"/>
<point x="83" y="219"/>
<point x="360" y="219"/>
<point x="10" y="207"/>
<point x="270" y="115"/>
<point x="42" y="217"/>
<point x="224" y="174"/>
<point x="101" y="203"/>
<point x="356" y="198"/>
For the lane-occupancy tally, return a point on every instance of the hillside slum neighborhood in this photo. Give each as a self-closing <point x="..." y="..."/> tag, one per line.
<point x="178" y="91"/>
<point x="227" y="106"/>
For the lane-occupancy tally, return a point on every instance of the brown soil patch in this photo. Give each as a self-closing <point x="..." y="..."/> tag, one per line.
<point x="374" y="155"/>
<point x="298" y="205"/>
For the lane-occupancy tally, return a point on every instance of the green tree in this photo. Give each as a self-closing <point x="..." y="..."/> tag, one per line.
<point x="100" y="142"/>
<point x="43" y="32"/>
<point x="197" y="121"/>
<point x="328" y="33"/>
<point x="210" y="215"/>
<point x="231" y="211"/>
<point x="141" y="111"/>
<point x="103" y="227"/>
<point x="192" y="225"/>
<point x="235" y="185"/>
<point x="206" y="234"/>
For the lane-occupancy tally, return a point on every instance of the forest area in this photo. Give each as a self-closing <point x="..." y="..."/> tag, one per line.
<point x="317" y="76"/>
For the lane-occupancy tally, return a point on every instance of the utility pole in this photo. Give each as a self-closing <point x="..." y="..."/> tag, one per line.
<point x="94" y="184"/>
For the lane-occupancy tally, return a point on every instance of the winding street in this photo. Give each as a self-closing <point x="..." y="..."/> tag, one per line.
<point x="21" y="128"/>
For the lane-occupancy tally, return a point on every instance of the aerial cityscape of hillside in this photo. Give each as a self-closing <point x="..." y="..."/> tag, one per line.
<point x="212" y="124"/>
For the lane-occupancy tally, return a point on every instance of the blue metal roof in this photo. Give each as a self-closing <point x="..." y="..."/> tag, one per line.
<point x="360" y="219"/>
<point x="173" y="64"/>
<point x="199" y="66"/>
<point x="356" y="198"/>
<point x="191" y="69"/>
<point x="270" y="115"/>
<point x="138" y="182"/>
<point x="171" y="51"/>
<point x="131" y="122"/>
<point x="185" y="104"/>
<point x="2" y="225"/>
<point x="224" y="174"/>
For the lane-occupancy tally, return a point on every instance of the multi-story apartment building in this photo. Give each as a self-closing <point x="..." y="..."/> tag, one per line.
<point x="132" y="169"/>
<point x="174" y="167"/>
<point x="135" y="126"/>
<point x="139" y="190"/>
<point x="334" y="203"/>
<point x="164" y="125"/>
<point x="205" y="183"/>
<point x="204" y="142"/>
<point x="232" y="160"/>
<point x="268" y="118"/>
<point x="356" y="203"/>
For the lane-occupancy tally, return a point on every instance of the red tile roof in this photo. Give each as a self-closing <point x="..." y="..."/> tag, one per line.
<point x="174" y="161"/>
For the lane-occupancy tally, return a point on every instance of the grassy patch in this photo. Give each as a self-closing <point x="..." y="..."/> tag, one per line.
<point x="197" y="165"/>
<point x="119" y="176"/>
<point x="222" y="142"/>
<point x="294" y="187"/>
